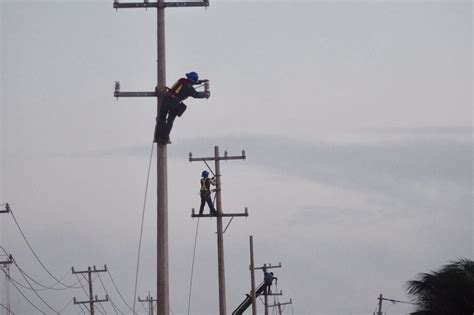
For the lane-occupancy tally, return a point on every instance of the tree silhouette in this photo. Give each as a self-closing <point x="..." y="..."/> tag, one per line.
<point x="448" y="291"/>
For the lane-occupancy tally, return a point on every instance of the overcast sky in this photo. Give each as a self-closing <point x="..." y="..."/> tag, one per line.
<point x="356" y="117"/>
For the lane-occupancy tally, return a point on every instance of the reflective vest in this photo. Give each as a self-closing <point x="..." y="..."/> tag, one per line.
<point x="205" y="184"/>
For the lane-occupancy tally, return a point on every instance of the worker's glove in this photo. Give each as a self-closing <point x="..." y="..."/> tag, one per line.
<point x="208" y="94"/>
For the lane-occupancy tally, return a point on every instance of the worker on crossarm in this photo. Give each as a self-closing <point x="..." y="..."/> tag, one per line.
<point x="172" y="104"/>
<point x="205" y="192"/>
<point x="268" y="280"/>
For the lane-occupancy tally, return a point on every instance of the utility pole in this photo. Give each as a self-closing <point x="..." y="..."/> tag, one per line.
<point x="6" y="267"/>
<point x="7" y="208"/>
<point x="149" y="299"/>
<point x="380" y="304"/>
<point x="267" y="293"/>
<point x="220" y="232"/>
<point x="252" y="278"/>
<point x="91" y="300"/>
<point x="280" y="311"/>
<point x="162" y="162"/>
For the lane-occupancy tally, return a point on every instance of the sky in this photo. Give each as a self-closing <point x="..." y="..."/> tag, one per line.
<point x="356" y="118"/>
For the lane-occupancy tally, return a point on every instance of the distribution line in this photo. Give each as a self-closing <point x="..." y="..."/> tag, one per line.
<point x="44" y="287"/>
<point x="36" y="293"/>
<point x="106" y="292"/>
<point x="192" y="266"/>
<point x="35" y="255"/>
<point x="141" y="229"/>
<point x="7" y="309"/>
<point x="31" y="303"/>
<point x="118" y="291"/>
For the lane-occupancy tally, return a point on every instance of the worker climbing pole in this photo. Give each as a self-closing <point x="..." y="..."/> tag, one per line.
<point x="162" y="162"/>
<point x="219" y="215"/>
<point x="172" y="104"/>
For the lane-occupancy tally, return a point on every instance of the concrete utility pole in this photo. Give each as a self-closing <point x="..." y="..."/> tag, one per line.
<point x="380" y="304"/>
<point x="91" y="300"/>
<point x="220" y="231"/>
<point x="6" y="268"/>
<point x="162" y="162"/>
<point x="280" y="310"/>
<point x="252" y="278"/>
<point x="149" y="299"/>
<point x="266" y="293"/>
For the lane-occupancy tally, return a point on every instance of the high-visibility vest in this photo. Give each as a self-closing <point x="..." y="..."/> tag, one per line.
<point x="204" y="181"/>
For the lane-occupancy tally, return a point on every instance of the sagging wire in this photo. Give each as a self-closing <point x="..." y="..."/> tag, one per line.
<point x="36" y="256"/>
<point x="141" y="230"/>
<point x="192" y="265"/>
<point x="118" y="291"/>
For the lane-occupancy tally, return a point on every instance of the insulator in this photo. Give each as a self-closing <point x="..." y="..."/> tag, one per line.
<point x="117" y="86"/>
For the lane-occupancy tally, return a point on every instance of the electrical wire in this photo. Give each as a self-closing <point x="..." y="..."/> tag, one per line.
<point x="35" y="255"/>
<point x="68" y="303"/>
<point x="192" y="265"/>
<point x="141" y="229"/>
<point x="36" y="293"/>
<point x="118" y="291"/>
<point x="105" y="289"/>
<point x="44" y="287"/>
<point x="31" y="303"/>
<point x="7" y="309"/>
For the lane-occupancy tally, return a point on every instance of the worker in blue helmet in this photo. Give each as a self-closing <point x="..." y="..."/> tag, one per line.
<point x="268" y="280"/>
<point x="172" y="104"/>
<point x="205" y="192"/>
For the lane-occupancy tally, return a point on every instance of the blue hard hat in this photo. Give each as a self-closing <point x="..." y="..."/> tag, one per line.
<point x="193" y="76"/>
<point x="205" y="173"/>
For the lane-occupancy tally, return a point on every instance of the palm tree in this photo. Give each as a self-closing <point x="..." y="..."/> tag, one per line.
<point x="448" y="291"/>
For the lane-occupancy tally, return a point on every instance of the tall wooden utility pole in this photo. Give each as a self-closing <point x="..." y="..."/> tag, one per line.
<point x="220" y="231"/>
<point x="149" y="299"/>
<point x="162" y="162"/>
<point x="91" y="300"/>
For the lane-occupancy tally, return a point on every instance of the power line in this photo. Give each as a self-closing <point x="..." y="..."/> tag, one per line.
<point x="36" y="293"/>
<point x="7" y="309"/>
<point x="35" y="255"/>
<point x="107" y="293"/>
<point x="31" y="303"/>
<point x="192" y="266"/>
<point x="118" y="291"/>
<point x="141" y="229"/>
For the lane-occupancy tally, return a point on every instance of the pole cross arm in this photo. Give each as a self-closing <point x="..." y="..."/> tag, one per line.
<point x="194" y="215"/>
<point x="7" y="209"/>
<point x="96" y="300"/>
<point x="281" y="293"/>
<point x="268" y="267"/>
<point x="220" y="158"/>
<point x="147" y="4"/>
<point x="135" y="94"/>
<point x="280" y="304"/>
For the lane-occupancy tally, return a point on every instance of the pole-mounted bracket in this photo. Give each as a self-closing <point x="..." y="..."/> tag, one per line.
<point x="147" y="4"/>
<point x="194" y="215"/>
<point x="7" y="208"/>
<point x="118" y="93"/>
<point x="220" y="158"/>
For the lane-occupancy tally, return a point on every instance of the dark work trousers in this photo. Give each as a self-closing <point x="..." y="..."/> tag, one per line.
<point x="206" y="197"/>
<point x="165" y="118"/>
